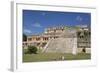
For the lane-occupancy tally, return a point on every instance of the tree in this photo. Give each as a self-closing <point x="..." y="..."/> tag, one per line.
<point x="24" y="37"/>
<point x="84" y="50"/>
<point x="32" y="49"/>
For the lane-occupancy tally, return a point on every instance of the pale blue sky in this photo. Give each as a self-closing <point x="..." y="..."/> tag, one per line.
<point x="34" y="22"/>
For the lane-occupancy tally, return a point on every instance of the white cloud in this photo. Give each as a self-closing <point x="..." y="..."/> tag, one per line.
<point x="37" y="25"/>
<point x="79" y="18"/>
<point x="27" y="31"/>
<point x="43" y="13"/>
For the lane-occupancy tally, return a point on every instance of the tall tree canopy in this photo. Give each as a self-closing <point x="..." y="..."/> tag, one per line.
<point x="24" y="37"/>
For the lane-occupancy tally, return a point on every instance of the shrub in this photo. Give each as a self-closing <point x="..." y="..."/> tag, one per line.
<point x="32" y="49"/>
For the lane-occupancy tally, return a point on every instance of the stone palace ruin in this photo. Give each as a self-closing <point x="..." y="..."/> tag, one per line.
<point x="61" y="39"/>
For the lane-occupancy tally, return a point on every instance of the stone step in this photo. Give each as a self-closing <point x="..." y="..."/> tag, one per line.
<point x="62" y="45"/>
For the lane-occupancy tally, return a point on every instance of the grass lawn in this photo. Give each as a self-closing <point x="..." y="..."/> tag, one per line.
<point x="54" y="57"/>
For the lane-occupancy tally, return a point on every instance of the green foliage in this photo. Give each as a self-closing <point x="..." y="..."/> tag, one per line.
<point x="24" y="37"/>
<point x="32" y="50"/>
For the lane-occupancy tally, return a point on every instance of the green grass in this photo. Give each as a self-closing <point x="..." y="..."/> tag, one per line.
<point x="54" y="57"/>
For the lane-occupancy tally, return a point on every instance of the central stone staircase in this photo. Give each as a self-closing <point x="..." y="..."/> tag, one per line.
<point x="60" y="45"/>
<point x="64" y="44"/>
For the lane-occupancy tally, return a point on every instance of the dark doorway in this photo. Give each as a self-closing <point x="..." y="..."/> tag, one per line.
<point x="84" y="50"/>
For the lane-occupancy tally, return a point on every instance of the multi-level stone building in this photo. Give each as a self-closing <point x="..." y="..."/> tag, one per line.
<point x="41" y="40"/>
<point x="61" y="39"/>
